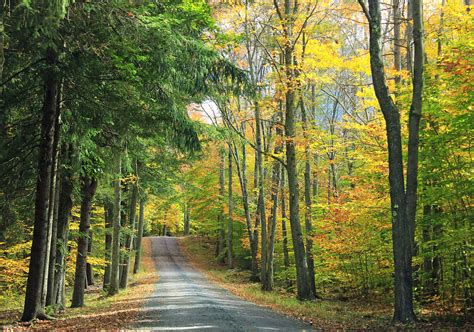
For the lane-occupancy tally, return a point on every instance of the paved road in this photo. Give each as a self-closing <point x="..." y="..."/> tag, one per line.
<point x="185" y="300"/>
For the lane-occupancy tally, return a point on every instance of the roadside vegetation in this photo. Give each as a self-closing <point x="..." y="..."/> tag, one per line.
<point x="112" y="312"/>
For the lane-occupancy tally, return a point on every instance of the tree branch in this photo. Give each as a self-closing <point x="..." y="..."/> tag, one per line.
<point x="364" y="9"/>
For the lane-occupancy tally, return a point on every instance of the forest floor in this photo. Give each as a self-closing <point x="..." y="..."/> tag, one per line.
<point x="326" y="314"/>
<point x="101" y="311"/>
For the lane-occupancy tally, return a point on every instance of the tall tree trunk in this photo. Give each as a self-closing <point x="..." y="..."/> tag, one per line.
<point x="397" y="41"/>
<point x="308" y="199"/>
<point x="89" y="270"/>
<point x="267" y="280"/>
<point x="33" y="307"/>
<point x="414" y="120"/>
<point x="287" y="17"/>
<point x="50" y="260"/>
<point x="302" y="276"/>
<point x="403" y="204"/>
<point x="51" y="291"/>
<point x="114" y="274"/>
<point x="230" y="233"/>
<point x="284" y="218"/>
<point x="129" y="238"/>
<point x="242" y="174"/>
<point x="186" y="219"/>
<point x="261" y="208"/>
<point x="88" y="188"/>
<point x="109" y="217"/>
<point x="221" y="240"/>
<point x="409" y="36"/>
<point x="138" y="252"/>
<point x="64" y="213"/>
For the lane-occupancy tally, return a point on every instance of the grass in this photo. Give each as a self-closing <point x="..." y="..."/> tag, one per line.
<point x="112" y="312"/>
<point x="374" y="314"/>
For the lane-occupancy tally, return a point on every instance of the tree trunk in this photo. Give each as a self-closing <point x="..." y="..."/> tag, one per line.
<point x="256" y="200"/>
<point x="64" y="213"/>
<point x="51" y="291"/>
<point x="261" y="208"/>
<point x="287" y="18"/>
<point x="33" y="307"/>
<point x="89" y="271"/>
<point x="267" y="272"/>
<point x="267" y="279"/>
<point x="114" y="274"/>
<point x="242" y="174"/>
<point x="308" y="200"/>
<point x="50" y="260"/>
<point x="221" y="244"/>
<point x="141" y="221"/>
<point x="88" y="188"/>
<point x="409" y="36"/>
<point x="302" y="277"/>
<point x="403" y="204"/>
<point x="186" y="219"/>
<point x="284" y="218"/>
<point x="414" y="120"/>
<point x="129" y="238"/>
<point x="109" y="220"/>
<point x="397" y="42"/>
<point x="230" y="262"/>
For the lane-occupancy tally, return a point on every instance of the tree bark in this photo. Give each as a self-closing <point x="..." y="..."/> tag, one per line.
<point x="88" y="188"/>
<point x="230" y="254"/>
<point x="114" y="274"/>
<point x="141" y="221"/>
<point x="409" y="37"/>
<point x="414" y="120"/>
<point x="89" y="270"/>
<point x="302" y="276"/>
<point x="221" y="240"/>
<point x="284" y="218"/>
<point x="267" y="272"/>
<point x="267" y="279"/>
<point x="64" y="213"/>
<point x="33" y="307"/>
<point x="50" y="260"/>
<point x="186" y="219"/>
<point x="308" y="200"/>
<point x="51" y="291"/>
<point x="403" y="203"/>
<point x="261" y="213"/>
<point x="242" y="174"/>
<point x="397" y="42"/>
<point x="109" y="216"/>
<point x="287" y="18"/>
<point x="129" y="238"/>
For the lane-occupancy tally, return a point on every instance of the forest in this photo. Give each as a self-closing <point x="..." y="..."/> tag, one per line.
<point x="320" y="148"/>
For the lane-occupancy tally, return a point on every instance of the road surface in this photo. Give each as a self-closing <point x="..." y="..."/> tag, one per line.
<point x="185" y="300"/>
